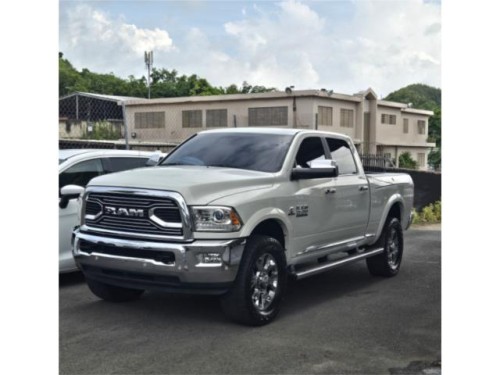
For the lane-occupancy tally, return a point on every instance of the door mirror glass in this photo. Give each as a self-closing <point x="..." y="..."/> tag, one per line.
<point x="327" y="163"/>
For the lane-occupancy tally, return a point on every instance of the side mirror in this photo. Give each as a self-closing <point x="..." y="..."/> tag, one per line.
<point x="69" y="192"/>
<point x="154" y="159"/>
<point x="312" y="173"/>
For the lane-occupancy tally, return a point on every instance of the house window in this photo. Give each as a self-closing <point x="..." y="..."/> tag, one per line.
<point x="325" y="116"/>
<point x="191" y="119"/>
<point x="216" y="118"/>
<point x="421" y="159"/>
<point x="268" y="116"/>
<point x="149" y="120"/>
<point x="346" y="118"/>
<point x="387" y="155"/>
<point x="421" y="126"/>
<point x="405" y="125"/>
<point x="388" y="119"/>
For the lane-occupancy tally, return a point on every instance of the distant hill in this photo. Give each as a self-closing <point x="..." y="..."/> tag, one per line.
<point x="421" y="96"/>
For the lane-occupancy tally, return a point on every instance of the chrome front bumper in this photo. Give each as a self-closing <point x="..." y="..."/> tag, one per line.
<point x="120" y="262"/>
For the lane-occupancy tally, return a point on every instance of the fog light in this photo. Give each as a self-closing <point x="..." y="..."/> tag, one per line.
<point x="210" y="258"/>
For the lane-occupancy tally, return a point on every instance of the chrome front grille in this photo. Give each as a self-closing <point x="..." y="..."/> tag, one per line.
<point x="136" y="212"/>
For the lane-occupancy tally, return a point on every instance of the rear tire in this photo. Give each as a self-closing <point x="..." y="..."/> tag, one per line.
<point x="387" y="264"/>
<point x="256" y="295"/>
<point x="113" y="293"/>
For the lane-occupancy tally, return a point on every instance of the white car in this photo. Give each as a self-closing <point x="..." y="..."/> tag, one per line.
<point x="78" y="167"/>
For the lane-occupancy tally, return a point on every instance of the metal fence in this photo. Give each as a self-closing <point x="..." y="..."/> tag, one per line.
<point x="376" y="162"/>
<point x="117" y="145"/>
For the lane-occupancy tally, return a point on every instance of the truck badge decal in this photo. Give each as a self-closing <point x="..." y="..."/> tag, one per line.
<point x="291" y="211"/>
<point x="302" y="210"/>
<point x="122" y="211"/>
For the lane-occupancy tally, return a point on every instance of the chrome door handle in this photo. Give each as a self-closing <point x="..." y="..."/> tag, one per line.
<point x="363" y="188"/>
<point x="330" y="191"/>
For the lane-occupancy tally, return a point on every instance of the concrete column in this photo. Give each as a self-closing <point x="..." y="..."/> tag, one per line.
<point x="359" y="125"/>
<point x="373" y="126"/>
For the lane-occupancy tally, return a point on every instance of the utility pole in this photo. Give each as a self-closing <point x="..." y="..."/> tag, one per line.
<point x="148" y="59"/>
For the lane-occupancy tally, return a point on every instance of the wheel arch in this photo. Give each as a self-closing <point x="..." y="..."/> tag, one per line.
<point x="273" y="223"/>
<point x="395" y="207"/>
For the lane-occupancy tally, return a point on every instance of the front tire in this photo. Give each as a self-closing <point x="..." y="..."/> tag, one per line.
<point x="256" y="295"/>
<point x="387" y="264"/>
<point x="113" y="293"/>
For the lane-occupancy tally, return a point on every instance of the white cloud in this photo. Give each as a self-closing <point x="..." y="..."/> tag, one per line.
<point x="98" y="42"/>
<point x="382" y="44"/>
<point x="386" y="45"/>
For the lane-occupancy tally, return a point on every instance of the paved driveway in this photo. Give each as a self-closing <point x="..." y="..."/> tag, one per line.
<point x="343" y="321"/>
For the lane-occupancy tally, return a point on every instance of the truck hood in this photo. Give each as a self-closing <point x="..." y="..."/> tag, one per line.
<point x="197" y="184"/>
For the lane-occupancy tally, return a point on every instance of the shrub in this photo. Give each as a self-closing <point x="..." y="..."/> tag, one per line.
<point x="406" y="161"/>
<point x="104" y="131"/>
<point x="430" y="214"/>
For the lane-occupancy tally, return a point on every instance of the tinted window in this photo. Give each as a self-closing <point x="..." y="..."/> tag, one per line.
<point x="122" y="164"/>
<point x="342" y="155"/>
<point x="80" y="174"/>
<point x="258" y="152"/>
<point x="310" y="149"/>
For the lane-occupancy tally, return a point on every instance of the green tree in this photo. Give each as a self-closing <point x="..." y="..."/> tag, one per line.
<point x="164" y="83"/>
<point x="406" y="161"/>
<point x="434" y="159"/>
<point x="69" y="78"/>
<point x="424" y="97"/>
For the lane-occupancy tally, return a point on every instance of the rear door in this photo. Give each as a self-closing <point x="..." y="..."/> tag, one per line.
<point x="351" y="201"/>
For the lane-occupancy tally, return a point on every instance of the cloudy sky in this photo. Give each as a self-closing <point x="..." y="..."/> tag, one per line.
<point x="345" y="46"/>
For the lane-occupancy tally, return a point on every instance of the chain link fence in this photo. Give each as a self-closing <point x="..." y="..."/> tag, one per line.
<point x="101" y="122"/>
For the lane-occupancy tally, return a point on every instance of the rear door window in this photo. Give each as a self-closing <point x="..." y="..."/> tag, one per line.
<point x="81" y="173"/>
<point x="123" y="164"/>
<point x="342" y="155"/>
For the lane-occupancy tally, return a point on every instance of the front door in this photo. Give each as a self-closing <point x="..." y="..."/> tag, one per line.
<point x="312" y="205"/>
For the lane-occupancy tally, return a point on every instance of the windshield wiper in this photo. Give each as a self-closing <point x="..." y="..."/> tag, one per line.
<point x="168" y="164"/>
<point x="224" y="166"/>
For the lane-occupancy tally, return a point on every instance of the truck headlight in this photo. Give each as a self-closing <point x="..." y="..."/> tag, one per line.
<point x="215" y="219"/>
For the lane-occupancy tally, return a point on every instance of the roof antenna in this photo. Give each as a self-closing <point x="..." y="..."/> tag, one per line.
<point x="148" y="59"/>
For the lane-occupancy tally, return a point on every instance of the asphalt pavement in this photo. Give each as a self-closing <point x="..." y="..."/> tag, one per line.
<point x="344" y="321"/>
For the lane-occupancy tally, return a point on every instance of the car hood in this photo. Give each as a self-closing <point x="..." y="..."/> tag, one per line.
<point x="197" y="184"/>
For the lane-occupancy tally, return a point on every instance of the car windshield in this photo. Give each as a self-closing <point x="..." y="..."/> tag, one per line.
<point x="258" y="152"/>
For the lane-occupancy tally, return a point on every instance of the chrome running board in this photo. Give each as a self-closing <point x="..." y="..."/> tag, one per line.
<point x="315" y="269"/>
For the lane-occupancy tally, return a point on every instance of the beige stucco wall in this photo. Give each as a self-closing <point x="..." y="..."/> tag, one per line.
<point x="236" y="110"/>
<point x="336" y="106"/>
<point x="393" y="134"/>
<point x="77" y="130"/>
<point x="381" y="136"/>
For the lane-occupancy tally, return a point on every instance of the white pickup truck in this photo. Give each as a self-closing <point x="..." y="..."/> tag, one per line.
<point x="235" y="213"/>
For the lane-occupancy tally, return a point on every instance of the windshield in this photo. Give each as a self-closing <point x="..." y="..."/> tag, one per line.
<point x="258" y="152"/>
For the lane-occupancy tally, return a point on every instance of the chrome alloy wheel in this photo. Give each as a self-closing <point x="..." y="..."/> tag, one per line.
<point x="264" y="282"/>
<point x="393" y="249"/>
